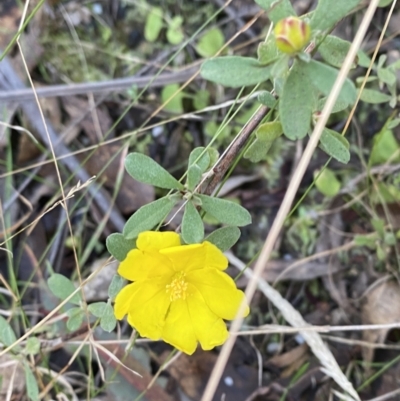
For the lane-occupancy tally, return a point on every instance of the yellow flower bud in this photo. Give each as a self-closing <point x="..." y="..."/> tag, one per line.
<point x="291" y="35"/>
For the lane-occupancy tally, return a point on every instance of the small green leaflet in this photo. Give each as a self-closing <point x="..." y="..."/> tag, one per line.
<point x="145" y="169"/>
<point x="235" y="71"/>
<point x="62" y="287"/>
<point x="224" y="238"/>
<point x="147" y="217"/>
<point x="192" y="225"/>
<point x="225" y="211"/>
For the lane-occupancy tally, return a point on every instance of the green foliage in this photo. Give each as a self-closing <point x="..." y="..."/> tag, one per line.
<point x="108" y="320"/>
<point x="296" y="103"/>
<point x="267" y="99"/>
<point x="32" y="346"/>
<point x="328" y="13"/>
<point x="174" y="32"/>
<point x="335" y="145"/>
<point x="145" y="169"/>
<point x="201" y="157"/>
<point x="277" y="9"/>
<point x="265" y="137"/>
<point x="174" y="97"/>
<point x="235" y="71"/>
<point x="374" y="97"/>
<point x="268" y="52"/>
<point x="104" y="311"/>
<point x="154" y="24"/>
<point x="385" y="3"/>
<point x="334" y="50"/>
<point x="32" y="388"/>
<point x="339" y="105"/>
<point x="194" y="175"/>
<point x="147" y="217"/>
<point x="62" y="287"/>
<point x="225" y="211"/>
<point x="323" y="77"/>
<point x="75" y="318"/>
<point x="7" y="335"/>
<point x="115" y="287"/>
<point x="385" y="148"/>
<point x="224" y="238"/>
<point x="192" y="225"/>
<point x="327" y="183"/>
<point x="210" y="43"/>
<point x="201" y="99"/>
<point x="119" y="246"/>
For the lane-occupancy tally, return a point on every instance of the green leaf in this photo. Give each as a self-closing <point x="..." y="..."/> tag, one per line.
<point x="108" y="320"/>
<point x="193" y="177"/>
<point x="153" y="24"/>
<point x="393" y="124"/>
<point x="366" y="240"/>
<point x="267" y="52"/>
<point x="296" y="104"/>
<point x="334" y="50"/>
<point x="329" y="12"/>
<point x="387" y="76"/>
<point x="62" y="287"/>
<point x="174" y="32"/>
<point x="75" y="318"/>
<point x="225" y="211"/>
<point x="201" y="157"/>
<point x="147" y="217"/>
<point x="379" y="226"/>
<point x="201" y="99"/>
<point x="214" y="156"/>
<point x="97" y="308"/>
<point x="327" y="183"/>
<point x="210" y="43"/>
<point x="335" y="145"/>
<point x="266" y="134"/>
<point x="340" y="105"/>
<point x="7" y="335"/>
<point x="32" y="388"/>
<point x="119" y="246"/>
<point x="235" y="71"/>
<point x="192" y="225"/>
<point x="267" y="99"/>
<point x="323" y="78"/>
<point x="384" y="3"/>
<point x="277" y="9"/>
<point x="224" y="238"/>
<point x="115" y="287"/>
<point x="175" y="103"/>
<point x="145" y="169"/>
<point x="385" y="148"/>
<point x="374" y="97"/>
<point x="32" y="346"/>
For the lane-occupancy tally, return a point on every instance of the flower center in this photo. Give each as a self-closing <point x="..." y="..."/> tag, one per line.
<point x="177" y="288"/>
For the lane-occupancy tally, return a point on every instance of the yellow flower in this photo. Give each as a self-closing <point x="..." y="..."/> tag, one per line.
<point x="291" y="35"/>
<point x="180" y="293"/>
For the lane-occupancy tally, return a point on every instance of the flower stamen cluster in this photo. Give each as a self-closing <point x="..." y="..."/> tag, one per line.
<point x="178" y="287"/>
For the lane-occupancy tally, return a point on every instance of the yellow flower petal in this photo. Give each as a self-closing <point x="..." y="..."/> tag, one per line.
<point x="123" y="301"/>
<point x="148" y="308"/>
<point x="210" y="329"/>
<point x="139" y="265"/>
<point x="151" y="241"/>
<point x="190" y="321"/>
<point x="196" y="256"/>
<point x="178" y="329"/>
<point x="218" y="290"/>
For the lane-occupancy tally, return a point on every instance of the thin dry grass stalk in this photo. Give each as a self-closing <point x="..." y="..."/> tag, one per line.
<point x="317" y="345"/>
